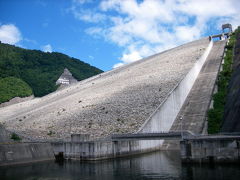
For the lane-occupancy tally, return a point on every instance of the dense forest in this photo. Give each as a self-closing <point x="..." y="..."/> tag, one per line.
<point x="38" y="69"/>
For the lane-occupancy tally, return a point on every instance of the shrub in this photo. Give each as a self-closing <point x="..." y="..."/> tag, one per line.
<point x="15" y="137"/>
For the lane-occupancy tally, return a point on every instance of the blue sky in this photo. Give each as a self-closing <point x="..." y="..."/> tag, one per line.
<point x="111" y="33"/>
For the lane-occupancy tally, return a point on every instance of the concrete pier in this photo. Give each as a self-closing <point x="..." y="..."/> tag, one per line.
<point x="211" y="149"/>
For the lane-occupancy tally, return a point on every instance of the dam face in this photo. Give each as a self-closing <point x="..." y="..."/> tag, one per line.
<point x="151" y="95"/>
<point x="125" y="100"/>
<point x="145" y="96"/>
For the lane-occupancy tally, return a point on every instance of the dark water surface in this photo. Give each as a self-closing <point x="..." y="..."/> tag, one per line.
<point x="158" y="165"/>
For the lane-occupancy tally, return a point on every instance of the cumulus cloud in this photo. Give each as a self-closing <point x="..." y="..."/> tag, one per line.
<point x="82" y="1"/>
<point x="47" y="48"/>
<point x="87" y="15"/>
<point x="10" y="34"/>
<point x="117" y="65"/>
<point x="143" y="28"/>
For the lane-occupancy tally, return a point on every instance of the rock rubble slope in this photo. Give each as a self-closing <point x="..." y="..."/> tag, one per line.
<point x="117" y="101"/>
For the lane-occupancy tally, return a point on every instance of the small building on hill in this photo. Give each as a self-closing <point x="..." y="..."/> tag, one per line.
<point x="66" y="78"/>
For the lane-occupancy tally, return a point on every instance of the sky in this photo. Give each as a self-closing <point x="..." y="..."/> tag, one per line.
<point x="111" y="33"/>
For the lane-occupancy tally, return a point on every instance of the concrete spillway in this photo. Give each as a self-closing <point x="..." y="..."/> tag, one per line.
<point x="125" y="100"/>
<point x="194" y="110"/>
<point x="192" y="115"/>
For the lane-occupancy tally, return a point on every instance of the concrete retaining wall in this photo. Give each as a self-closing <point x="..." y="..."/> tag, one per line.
<point x="211" y="150"/>
<point x="96" y="150"/>
<point x="4" y="135"/>
<point x="24" y="153"/>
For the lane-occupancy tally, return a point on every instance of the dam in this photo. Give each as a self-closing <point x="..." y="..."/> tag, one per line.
<point x="169" y="91"/>
<point x="124" y="100"/>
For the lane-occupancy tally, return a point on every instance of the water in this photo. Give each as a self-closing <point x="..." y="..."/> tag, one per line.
<point x="158" y="165"/>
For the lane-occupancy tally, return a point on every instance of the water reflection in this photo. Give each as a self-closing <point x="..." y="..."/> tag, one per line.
<point x="158" y="165"/>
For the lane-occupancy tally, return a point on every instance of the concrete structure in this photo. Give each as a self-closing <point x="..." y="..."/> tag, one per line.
<point x="4" y="135"/>
<point x="153" y="136"/>
<point x="18" y="153"/>
<point x="192" y="116"/>
<point x="80" y="137"/>
<point x="228" y="27"/>
<point x="195" y="107"/>
<point x="202" y="149"/>
<point x="97" y="150"/>
<point x="211" y="149"/>
<point x="220" y="37"/>
<point x="66" y="78"/>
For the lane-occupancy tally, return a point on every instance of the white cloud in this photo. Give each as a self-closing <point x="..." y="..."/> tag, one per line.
<point x="209" y="8"/>
<point x="187" y="33"/>
<point x="10" y="34"/>
<point x="30" y="41"/>
<point x="47" y="48"/>
<point x="146" y="27"/>
<point x="88" y="16"/>
<point x="85" y="14"/>
<point x="90" y="57"/>
<point x="82" y="1"/>
<point x="131" y="57"/>
<point x="117" y="65"/>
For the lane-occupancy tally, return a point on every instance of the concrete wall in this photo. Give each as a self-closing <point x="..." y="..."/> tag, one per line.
<point x="162" y="119"/>
<point x="211" y="150"/>
<point x="24" y="153"/>
<point x="4" y="135"/>
<point x="164" y="116"/>
<point x="95" y="150"/>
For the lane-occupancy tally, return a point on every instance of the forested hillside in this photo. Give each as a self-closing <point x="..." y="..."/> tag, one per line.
<point x="38" y="69"/>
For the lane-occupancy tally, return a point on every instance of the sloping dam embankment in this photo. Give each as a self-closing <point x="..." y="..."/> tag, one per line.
<point x="145" y="96"/>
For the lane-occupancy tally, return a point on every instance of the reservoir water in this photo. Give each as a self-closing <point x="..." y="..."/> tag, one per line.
<point x="158" y="165"/>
